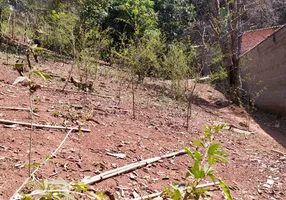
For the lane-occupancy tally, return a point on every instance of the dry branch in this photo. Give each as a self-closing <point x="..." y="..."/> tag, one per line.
<point x="3" y="121"/>
<point x="127" y="168"/>
<point x="14" y="108"/>
<point x="159" y="193"/>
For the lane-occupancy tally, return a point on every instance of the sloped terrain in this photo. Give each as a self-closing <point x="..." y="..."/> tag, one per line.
<point x="258" y="160"/>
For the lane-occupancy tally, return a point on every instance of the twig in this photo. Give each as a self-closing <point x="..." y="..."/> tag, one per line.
<point x="69" y="76"/>
<point x="14" y="197"/>
<point x="280" y="152"/>
<point x="14" y="108"/>
<point x="21" y="109"/>
<point x="120" y="170"/>
<point x="159" y="193"/>
<point x="3" y="121"/>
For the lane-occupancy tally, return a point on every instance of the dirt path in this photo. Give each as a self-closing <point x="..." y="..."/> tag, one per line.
<point x="258" y="160"/>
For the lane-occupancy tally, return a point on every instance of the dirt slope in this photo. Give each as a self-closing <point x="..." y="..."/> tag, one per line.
<point x="258" y="160"/>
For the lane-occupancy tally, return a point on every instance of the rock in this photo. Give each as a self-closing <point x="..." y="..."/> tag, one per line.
<point x="283" y="158"/>
<point x="270" y="182"/>
<point x="133" y="176"/>
<point x="266" y="186"/>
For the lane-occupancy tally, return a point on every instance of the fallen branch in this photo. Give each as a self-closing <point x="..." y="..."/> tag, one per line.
<point x="16" y="195"/>
<point x="151" y="196"/>
<point x="280" y="152"/>
<point x="238" y="130"/>
<point x="21" y="109"/>
<point x="127" y="168"/>
<point x="3" y="121"/>
<point x="14" y="108"/>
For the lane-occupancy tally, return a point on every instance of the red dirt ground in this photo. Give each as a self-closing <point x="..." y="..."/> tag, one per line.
<point x="158" y="129"/>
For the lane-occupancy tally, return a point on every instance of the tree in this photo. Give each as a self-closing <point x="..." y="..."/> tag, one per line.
<point x="226" y="24"/>
<point x="134" y="18"/>
<point x="175" y="17"/>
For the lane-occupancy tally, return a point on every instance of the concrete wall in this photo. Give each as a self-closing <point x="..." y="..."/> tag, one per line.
<point x="264" y="72"/>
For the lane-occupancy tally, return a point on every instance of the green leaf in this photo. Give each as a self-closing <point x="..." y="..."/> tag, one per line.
<point x="26" y="197"/>
<point x="219" y="127"/>
<point x="176" y="195"/>
<point x="225" y="189"/>
<point x="198" y="156"/>
<point x="198" y="143"/>
<point x="212" y="149"/>
<point x="216" y="157"/>
<point x="201" y="191"/>
<point x="196" y="170"/>
<point x="36" y="48"/>
<point x="19" y="65"/>
<point x="207" y="130"/>
<point x="210" y="174"/>
<point x="68" y="196"/>
<point x="41" y="74"/>
<point x="78" y="187"/>
<point x="189" y="152"/>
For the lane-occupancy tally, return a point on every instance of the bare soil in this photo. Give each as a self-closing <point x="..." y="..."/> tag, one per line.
<point x="258" y="161"/>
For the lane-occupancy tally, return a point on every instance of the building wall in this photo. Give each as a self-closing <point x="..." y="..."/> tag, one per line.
<point x="264" y="72"/>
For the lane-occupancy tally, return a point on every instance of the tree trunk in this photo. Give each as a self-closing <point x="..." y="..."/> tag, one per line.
<point x="227" y="29"/>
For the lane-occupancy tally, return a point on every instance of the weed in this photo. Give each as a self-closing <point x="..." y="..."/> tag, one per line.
<point x="205" y="155"/>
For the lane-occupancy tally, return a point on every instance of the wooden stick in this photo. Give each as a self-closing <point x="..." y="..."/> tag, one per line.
<point x="3" y="121"/>
<point x="159" y="193"/>
<point x="14" y="108"/>
<point x="124" y="169"/>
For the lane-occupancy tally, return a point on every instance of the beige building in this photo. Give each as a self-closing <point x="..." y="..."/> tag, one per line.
<point x="264" y="70"/>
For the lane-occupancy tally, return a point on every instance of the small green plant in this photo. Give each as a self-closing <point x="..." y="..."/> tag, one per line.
<point x="205" y="155"/>
<point x="58" y="189"/>
<point x="56" y="114"/>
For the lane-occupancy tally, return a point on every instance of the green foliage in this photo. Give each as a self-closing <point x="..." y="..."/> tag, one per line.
<point x="59" y="189"/>
<point x="134" y="18"/>
<point x="175" y="17"/>
<point x="177" y="64"/>
<point x="54" y="28"/>
<point x="140" y="56"/>
<point x="93" y="13"/>
<point x="205" y="155"/>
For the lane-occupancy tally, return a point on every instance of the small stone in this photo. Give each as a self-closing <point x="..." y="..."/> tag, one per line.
<point x="283" y="158"/>
<point x="270" y="182"/>
<point x="266" y="186"/>
<point x="132" y="176"/>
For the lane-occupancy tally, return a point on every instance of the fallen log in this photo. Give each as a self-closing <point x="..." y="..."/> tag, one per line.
<point x="3" y="121"/>
<point x="151" y="196"/>
<point x="127" y="168"/>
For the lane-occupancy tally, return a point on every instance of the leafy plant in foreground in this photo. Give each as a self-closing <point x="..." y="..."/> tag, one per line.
<point x="205" y="155"/>
<point x="58" y="189"/>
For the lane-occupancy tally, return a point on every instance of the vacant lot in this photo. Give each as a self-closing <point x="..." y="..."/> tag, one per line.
<point x="258" y="159"/>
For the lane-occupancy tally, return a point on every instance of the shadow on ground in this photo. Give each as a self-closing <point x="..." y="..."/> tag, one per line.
<point x="273" y="125"/>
